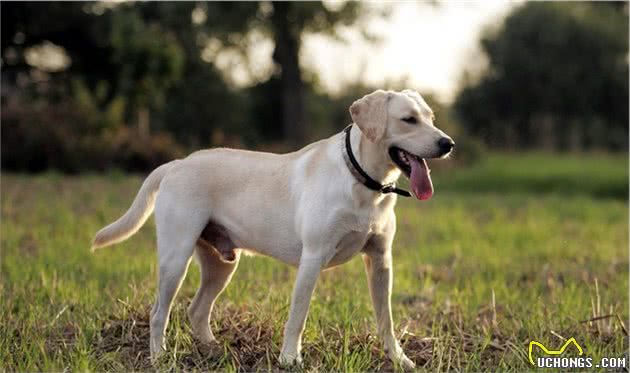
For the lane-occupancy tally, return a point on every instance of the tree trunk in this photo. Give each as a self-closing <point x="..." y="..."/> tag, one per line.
<point x="143" y="123"/>
<point x="286" y="56"/>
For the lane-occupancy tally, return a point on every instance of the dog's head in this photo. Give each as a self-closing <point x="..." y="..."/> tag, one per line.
<point x="402" y="123"/>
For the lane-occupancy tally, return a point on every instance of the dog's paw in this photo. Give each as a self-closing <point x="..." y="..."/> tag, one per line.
<point x="210" y="350"/>
<point x="399" y="358"/>
<point x="288" y="359"/>
<point x="207" y="339"/>
<point x="406" y="362"/>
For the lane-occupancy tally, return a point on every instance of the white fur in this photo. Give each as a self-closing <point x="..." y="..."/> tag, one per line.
<point x="303" y="208"/>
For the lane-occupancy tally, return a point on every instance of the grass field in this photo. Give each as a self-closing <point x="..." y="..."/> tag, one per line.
<point x="514" y="249"/>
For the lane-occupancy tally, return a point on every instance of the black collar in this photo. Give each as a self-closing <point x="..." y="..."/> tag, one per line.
<point x="363" y="177"/>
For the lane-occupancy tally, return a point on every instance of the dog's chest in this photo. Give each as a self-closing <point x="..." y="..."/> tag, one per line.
<point x="348" y="246"/>
<point x="358" y="228"/>
<point x="369" y="218"/>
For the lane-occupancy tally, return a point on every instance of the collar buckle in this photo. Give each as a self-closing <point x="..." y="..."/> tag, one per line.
<point x="388" y="188"/>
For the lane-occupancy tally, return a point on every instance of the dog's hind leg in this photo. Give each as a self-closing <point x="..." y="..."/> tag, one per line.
<point x="216" y="273"/>
<point x="172" y="269"/>
<point x="178" y="228"/>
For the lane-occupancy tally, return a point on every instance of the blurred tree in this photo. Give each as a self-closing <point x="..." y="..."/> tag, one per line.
<point x="118" y="62"/>
<point x="148" y="60"/>
<point x="201" y="107"/>
<point x="28" y="24"/>
<point x="112" y="68"/>
<point x="285" y="23"/>
<point x="288" y="22"/>
<point x="232" y="23"/>
<point x="110" y="48"/>
<point x="557" y="76"/>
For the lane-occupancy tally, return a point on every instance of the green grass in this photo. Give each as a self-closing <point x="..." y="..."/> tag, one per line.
<point x="480" y="270"/>
<point x="598" y="175"/>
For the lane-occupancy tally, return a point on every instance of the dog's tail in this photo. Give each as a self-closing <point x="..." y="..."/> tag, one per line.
<point x="138" y="213"/>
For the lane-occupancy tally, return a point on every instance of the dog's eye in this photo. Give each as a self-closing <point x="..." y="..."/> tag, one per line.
<point x="410" y="120"/>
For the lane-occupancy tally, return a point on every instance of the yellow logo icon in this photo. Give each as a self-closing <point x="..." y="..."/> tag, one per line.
<point x="553" y="352"/>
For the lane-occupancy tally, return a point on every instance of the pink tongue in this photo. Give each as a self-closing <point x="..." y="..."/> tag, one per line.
<point x="420" y="180"/>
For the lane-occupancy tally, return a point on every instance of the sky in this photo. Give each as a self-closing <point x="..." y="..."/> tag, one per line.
<point x="427" y="45"/>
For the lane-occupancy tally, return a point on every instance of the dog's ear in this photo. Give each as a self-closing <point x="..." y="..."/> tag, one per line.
<point x="370" y="114"/>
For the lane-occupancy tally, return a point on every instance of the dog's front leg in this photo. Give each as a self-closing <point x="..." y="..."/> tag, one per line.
<point x="378" y="266"/>
<point x="307" y="274"/>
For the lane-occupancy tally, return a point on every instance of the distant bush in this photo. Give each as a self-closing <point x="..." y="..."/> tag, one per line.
<point x="71" y="137"/>
<point x="564" y="88"/>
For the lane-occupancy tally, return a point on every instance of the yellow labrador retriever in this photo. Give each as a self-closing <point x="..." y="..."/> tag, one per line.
<point x="314" y="209"/>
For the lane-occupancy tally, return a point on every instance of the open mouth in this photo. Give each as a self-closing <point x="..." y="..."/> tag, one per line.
<point x="416" y="169"/>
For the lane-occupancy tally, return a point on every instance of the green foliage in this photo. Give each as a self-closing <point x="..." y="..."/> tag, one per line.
<point x="557" y="77"/>
<point x="100" y="115"/>
<point x="147" y="56"/>
<point x="76" y="135"/>
<point x="316" y="17"/>
<point x="114" y="51"/>
<point x="256" y="114"/>
<point x="200" y="106"/>
<point x="477" y="275"/>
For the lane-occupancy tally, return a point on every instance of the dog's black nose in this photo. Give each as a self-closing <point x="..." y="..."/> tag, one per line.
<point x="446" y="144"/>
